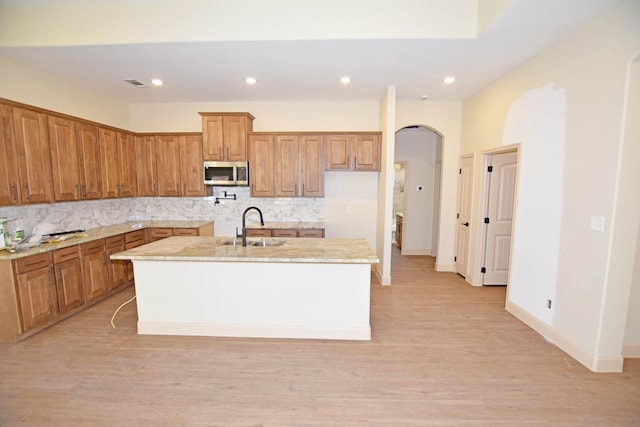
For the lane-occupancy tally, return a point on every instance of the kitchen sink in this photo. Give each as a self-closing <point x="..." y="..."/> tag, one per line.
<point x="252" y="242"/>
<point x="267" y="242"/>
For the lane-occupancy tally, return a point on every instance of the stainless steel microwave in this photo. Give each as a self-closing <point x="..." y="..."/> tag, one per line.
<point x="226" y="173"/>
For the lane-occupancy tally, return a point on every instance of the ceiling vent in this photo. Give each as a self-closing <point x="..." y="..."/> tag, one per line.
<point x="134" y="82"/>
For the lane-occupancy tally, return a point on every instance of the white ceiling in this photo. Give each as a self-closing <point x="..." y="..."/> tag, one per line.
<point x="309" y="70"/>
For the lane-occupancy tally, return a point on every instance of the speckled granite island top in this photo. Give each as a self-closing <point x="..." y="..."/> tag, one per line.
<point x="294" y="250"/>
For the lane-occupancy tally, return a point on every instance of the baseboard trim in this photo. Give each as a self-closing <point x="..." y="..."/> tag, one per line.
<point x="422" y="252"/>
<point x="385" y="281"/>
<point x="631" y="350"/>
<point x="590" y="361"/>
<point x="252" y="331"/>
<point x="443" y="267"/>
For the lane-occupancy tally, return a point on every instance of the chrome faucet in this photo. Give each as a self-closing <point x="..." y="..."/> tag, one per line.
<point x="244" y="224"/>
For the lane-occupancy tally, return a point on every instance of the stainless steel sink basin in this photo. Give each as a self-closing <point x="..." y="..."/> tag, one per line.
<point x="253" y="242"/>
<point x="267" y="242"/>
<point x="233" y="242"/>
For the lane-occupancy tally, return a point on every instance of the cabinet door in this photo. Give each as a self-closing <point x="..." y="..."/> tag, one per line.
<point x="94" y="267"/>
<point x="118" y="269"/>
<point x="287" y="166"/>
<point x="126" y="165"/>
<point x="133" y="239"/>
<point x="258" y="232"/>
<point x="69" y="281"/>
<point x="191" y="165"/>
<point x="64" y="159"/>
<point x="38" y="301"/>
<point x="89" y="156"/>
<point x="145" y="147"/>
<point x="168" y="163"/>
<point x="235" y="137"/>
<point x="34" y="158"/>
<point x="159" y="233"/>
<point x="9" y="185"/>
<point x="312" y="166"/>
<point x="185" y="231"/>
<point x="339" y="152"/>
<point x="212" y="138"/>
<point x="261" y="165"/>
<point x="110" y="163"/>
<point x="366" y="152"/>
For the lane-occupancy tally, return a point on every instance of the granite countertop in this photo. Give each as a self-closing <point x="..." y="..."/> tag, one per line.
<point x="300" y="225"/>
<point x="101" y="233"/>
<point x="295" y="250"/>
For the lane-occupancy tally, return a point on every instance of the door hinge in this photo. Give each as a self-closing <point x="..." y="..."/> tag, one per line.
<point x="460" y="171"/>
<point x="483" y="270"/>
<point x="457" y="216"/>
<point x="486" y="220"/>
<point x="490" y="169"/>
<point x="455" y="258"/>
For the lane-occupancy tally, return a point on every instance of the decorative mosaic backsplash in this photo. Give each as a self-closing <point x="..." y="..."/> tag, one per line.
<point x="227" y="214"/>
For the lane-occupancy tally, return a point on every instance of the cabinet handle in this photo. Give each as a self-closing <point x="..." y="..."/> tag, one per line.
<point x="219" y="151"/>
<point x="14" y="188"/>
<point x="84" y="191"/>
<point x="26" y="188"/>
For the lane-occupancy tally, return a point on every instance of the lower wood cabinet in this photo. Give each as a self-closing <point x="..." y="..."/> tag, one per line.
<point x="95" y="269"/>
<point x="67" y="266"/>
<point x="36" y="290"/>
<point x="133" y="239"/>
<point x="118" y="269"/>
<point x="158" y="233"/>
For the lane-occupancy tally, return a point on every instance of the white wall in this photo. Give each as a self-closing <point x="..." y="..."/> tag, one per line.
<point x="33" y="87"/>
<point x="418" y="149"/>
<point x="589" y="70"/>
<point x="444" y="118"/>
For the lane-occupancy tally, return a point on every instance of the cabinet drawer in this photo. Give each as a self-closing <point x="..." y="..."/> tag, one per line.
<point x="33" y="262"/>
<point x="66" y="254"/>
<point x="134" y="237"/>
<point x="185" y="231"/>
<point x="93" y="247"/>
<point x="311" y="233"/>
<point x="160" y="233"/>
<point x="258" y="232"/>
<point x="115" y="241"/>
<point x="284" y="233"/>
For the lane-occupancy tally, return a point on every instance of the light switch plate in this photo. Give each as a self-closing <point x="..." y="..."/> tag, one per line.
<point x="597" y="223"/>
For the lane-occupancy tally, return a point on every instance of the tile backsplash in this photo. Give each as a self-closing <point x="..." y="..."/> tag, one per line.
<point x="227" y="214"/>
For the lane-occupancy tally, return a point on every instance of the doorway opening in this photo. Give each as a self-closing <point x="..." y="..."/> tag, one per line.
<point x="418" y="151"/>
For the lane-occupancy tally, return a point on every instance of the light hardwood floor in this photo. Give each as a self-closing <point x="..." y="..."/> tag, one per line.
<point x="443" y="353"/>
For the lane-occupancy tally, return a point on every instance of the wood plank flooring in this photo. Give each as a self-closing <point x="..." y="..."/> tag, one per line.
<point x="443" y="354"/>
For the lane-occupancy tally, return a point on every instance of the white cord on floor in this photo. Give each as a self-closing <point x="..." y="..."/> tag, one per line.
<point x="121" y="305"/>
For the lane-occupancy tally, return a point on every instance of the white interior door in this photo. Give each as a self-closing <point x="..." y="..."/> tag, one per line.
<point x="502" y="185"/>
<point x="465" y="181"/>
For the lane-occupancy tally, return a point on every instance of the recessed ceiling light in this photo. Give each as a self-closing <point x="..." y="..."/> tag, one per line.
<point x="345" y="80"/>
<point x="449" y="79"/>
<point x="157" y="82"/>
<point x="250" y="80"/>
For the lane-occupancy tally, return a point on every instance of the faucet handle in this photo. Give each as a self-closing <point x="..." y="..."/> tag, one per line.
<point x="238" y="235"/>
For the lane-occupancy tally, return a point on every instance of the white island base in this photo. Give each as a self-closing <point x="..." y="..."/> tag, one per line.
<point x="253" y="299"/>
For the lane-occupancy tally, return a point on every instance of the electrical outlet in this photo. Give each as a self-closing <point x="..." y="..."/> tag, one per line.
<point x="549" y="304"/>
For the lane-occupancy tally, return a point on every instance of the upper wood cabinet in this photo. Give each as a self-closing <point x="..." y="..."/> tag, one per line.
<point x="118" y="164"/>
<point x="34" y="159"/>
<point x="191" y="170"/>
<point x="9" y="183"/>
<point x="261" y="165"/>
<point x="225" y="135"/>
<point x="145" y="154"/>
<point x="179" y="165"/>
<point x="76" y="164"/>
<point x="356" y="152"/>
<point x="299" y="161"/>
<point x="64" y="159"/>
<point x="90" y="166"/>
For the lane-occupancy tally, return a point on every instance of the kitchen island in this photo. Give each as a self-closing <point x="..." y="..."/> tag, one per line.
<point x="304" y="288"/>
